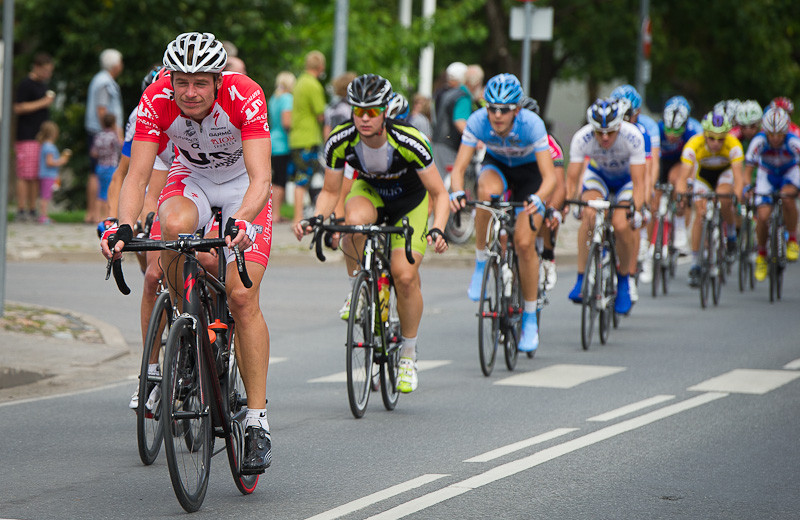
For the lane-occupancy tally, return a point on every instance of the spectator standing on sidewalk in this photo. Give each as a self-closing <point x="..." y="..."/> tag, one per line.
<point x="305" y="137"/>
<point x="106" y="151"/>
<point x="453" y="107"/>
<point x="32" y="107"/>
<point x="279" y="108"/>
<point x="104" y="97"/>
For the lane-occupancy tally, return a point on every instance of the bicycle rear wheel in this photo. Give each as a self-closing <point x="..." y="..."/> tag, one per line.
<point x="608" y="291"/>
<point x="657" y="256"/>
<point x="360" y="333"/>
<point x="148" y="415"/>
<point x="489" y="315"/>
<point x="703" y="254"/>
<point x="187" y="422"/>
<point x="236" y="404"/>
<point x="512" y="323"/>
<point x="390" y="366"/>
<point x="590" y="293"/>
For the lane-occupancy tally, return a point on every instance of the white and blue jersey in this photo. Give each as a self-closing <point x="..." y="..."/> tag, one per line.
<point x="652" y="129"/>
<point x="777" y="167"/>
<point x="528" y="136"/>
<point x="609" y="170"/>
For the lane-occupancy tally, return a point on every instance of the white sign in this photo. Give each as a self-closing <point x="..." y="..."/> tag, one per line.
<point x="541" y="23"/>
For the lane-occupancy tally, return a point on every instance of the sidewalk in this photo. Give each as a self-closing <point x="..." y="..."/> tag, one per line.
<point x="45" y="351"/>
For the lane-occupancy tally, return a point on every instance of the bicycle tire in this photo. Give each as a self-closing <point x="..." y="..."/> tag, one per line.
<point x="512" y="310"/>
<point x="657" y="260"/>
<point x="390" y="365"/>
<point x="460" y="234"/>
<point x="235" y="403"/>
<point x="781" y="264"/>
<point x="773" y="257"/>
<point x="148" y="425"/>
<point x="703" y="254"/>
<point x="187" y="420"/>
<point x="489" y="315"/>
<point x="589" y="294"/>
<point x="361" y="326"/>
<point x="718" y="272"/>
<point x="607" y="293"/>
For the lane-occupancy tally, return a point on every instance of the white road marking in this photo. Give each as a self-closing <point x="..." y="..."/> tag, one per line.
<point x="510" y="448"/>
<point x="560" y="376"/>
<point x="634" y="407"/>
<point x="746" y="381"/>
<point x="517" y="466"/>
<point x="341" y="377"/>
<point x="374" y="498"/>
<point x="792" y="365"/>
<point x="276" y="359"/>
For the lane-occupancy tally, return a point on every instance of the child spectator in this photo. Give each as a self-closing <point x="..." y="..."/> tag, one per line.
<point x="49" y="163"/>
<point x="106" y="150"/>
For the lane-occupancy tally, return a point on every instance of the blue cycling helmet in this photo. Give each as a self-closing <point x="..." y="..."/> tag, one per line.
<point x="503" y="89"/>
<point x="629" y="93"/>
<point x="605" y="115"/>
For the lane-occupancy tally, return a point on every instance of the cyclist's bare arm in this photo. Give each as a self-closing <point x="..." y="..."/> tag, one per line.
<point x="573" y="179"/>
<point x="117" y="179"/>
<point x="738" y="178"/>
<point x="463" y="158"/>
<point x="441" y="202"/>
<point x="131" y="196"/>
<point x="326" y="201"/>
<point x="638" y="176"/>
<point x="682" y="185"/>
<point x="256" y="153"/>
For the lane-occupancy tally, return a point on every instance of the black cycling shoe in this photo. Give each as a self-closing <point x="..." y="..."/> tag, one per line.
<point x="257" y="451"/>
<point x="694" y="276"/>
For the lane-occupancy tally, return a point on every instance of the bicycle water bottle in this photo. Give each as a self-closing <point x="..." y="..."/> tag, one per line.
<point x="383" y="295"/>
<point x="507" y="278"/>
<point x="217" y="335"/>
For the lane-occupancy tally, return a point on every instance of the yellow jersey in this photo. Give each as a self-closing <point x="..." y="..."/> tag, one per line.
<point x="696" y="153"/>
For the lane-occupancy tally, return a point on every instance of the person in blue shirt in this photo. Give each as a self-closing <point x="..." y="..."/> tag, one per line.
<point x="517" y="160"/>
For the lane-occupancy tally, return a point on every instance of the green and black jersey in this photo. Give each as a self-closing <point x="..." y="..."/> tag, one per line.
<point x="392" y="170"/>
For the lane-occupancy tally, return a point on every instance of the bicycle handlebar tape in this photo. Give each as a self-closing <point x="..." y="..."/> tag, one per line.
<point x="231" y="230"/>
<point x="408" y="232"/>
<point x="123" y="234"/>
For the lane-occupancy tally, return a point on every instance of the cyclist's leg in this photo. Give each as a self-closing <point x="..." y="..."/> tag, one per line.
<point x="702" y="185"/>
<point x="594" y="187"/>
<point x="626" y="245"/>
<point x="725" y="187"/>
<point x="491" y="181"/>
<point x="791" y="182"/>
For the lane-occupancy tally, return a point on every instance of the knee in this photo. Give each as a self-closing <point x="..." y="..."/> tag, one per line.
<point x="406" y="281"/>
<point x="151" y="278"/>
<point x="242" y="300"/>
<point x="174" y="223"/>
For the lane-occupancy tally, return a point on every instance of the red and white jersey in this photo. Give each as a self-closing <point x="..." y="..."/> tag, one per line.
<point x="213" y="148"/>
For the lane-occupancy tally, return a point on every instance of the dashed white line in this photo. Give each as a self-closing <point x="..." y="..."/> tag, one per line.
<point x="792" y="365"/>
<point x="511" y="448"/>
<point x="514" y="467"/>
<point x="634" y="407"/>
<point x="374" y="498"/>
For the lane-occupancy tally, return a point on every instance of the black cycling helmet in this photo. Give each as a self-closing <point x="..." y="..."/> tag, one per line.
<point x="369" y="90"/>
<point x="529" y="103"/>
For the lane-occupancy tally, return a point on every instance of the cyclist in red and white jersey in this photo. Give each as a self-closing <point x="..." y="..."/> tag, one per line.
<point x="218" y="123"/>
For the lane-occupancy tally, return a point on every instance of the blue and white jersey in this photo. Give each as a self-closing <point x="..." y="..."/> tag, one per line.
<point x="672" y="150"/>
<point x="652" y="129"/>
<point x="775" y="161"/>
<point x="527" y="136"/>
<point x="614" y="163"/>
<point x="648" y="141"/>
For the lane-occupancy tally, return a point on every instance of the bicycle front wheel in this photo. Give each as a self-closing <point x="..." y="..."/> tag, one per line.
<point x="390" y="366"/>
<point x="187" y="422"/>
<point x="608" y="291"/>
<point x="489" y="315"/>
<point x="361" y="326"/>
<point x="590" y="293"/>
<point x="657" y="256"/>
<point x="148" y="415"/>
<point x="513" y="317"/>
<point x="236" y="404"/>
<point x="704" y="254"/>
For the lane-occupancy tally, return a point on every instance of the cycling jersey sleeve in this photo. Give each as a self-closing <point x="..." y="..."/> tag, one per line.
<point x="248" y="105"/>
<point x="755" y="149"/>
<point x="579" y="146"/>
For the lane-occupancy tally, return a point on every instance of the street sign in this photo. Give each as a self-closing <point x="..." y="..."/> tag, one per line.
<point x="541" y="24"/>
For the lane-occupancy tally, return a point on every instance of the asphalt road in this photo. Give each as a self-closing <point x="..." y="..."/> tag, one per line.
<point x="685" y="413"/>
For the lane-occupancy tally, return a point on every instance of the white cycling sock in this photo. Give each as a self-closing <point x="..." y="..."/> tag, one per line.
<point x="481" y="255"/>
<point x="531" y="307"/>
<point x="256" y="418"/>
<point x="409" y="348"/>
<point x="152" y="369"/>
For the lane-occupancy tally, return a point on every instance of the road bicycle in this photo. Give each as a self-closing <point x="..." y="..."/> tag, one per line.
<point x="373" y="325"/>
<point x="202" y="394"/>
<point x="746" y="245"/>
<point x="599" y="289"/>
<point x="501" y="302"/>
<point x="665" y="255"/>
<point x="713" y="249"/>
<point x="776" y="246"/>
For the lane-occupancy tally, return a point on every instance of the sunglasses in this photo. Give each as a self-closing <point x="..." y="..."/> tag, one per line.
<point x="673" y="132"/>
<point x="503" y="109"/>
<point x="371" y="111"/>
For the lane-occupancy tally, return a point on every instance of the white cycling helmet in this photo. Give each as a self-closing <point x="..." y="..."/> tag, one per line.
<point x="748" y="112"/>
<point x="675" y="116"/>
<point x="605" y="115"/>
<point x="775" y="120"/>
<point x="195" y="52"/>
